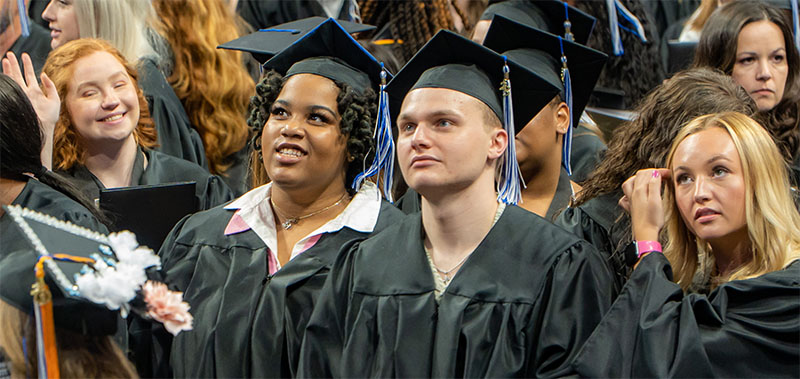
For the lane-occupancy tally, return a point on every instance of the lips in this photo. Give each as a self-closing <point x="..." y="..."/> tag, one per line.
<point x="763" y="91"/>
<point x="422" y="160"/>
<point x="289" y="152"/>
<point x="113" y="117"/>
<point x="705" y="214"/>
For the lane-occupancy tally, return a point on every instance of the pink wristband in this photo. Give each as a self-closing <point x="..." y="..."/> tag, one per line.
<point x="643" y="247"/>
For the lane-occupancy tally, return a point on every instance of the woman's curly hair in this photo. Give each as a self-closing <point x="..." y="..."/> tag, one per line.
<point x="358" y="111"/>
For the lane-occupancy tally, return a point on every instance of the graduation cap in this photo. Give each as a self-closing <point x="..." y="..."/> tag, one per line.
<point x="554" y="16"/>
<point x="329" y="51"/>
<point x="571" y="67"/>
<point x="93" y="277"/>
<point x="453" y="62"/>
<point x="265" y="43"/>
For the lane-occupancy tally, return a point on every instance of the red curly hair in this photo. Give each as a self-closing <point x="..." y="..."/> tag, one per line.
<point x="68" y="145"/>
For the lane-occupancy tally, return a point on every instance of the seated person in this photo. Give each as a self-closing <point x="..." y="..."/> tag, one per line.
<point x="104" y="135"/>
<point x="723" y="300"/>
<point x="261" y="259"/>
<point x="472" y="285"/>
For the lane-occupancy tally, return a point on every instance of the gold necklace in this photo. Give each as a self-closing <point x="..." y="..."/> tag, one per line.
<point x="291" y="221"/>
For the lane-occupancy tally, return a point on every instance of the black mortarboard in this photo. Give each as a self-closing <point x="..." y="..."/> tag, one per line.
<point x="453" y="62"/>
<point x="549" y="56"/>
<point x="547" y="15"/>
<point x="47" y="236"/>
<point x="329" y="51"/>
<point x="265" y="43"/>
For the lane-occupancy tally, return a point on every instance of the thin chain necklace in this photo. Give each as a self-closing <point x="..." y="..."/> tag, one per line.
<point x="446" y="278"/>
<point x="291" y="221"/>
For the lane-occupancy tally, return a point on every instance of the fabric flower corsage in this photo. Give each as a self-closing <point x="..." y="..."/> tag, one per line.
<point x="167" y="307"/>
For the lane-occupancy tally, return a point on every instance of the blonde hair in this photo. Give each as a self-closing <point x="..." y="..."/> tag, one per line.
<point x="773" y="222"/>
<point x="79" y="356"/>
<point x="124" y="23"/>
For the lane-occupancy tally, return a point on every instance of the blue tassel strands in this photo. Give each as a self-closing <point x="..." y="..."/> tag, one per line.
<point x="566" y="151"/>
<point x="509" y="183"/>
<point x="384" y="146"/>
<point x="23" y="18"/>
<point x="796" y="23"/>
<point x="615" y="7"/>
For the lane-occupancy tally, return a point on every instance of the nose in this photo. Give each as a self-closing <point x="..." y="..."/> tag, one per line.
<point x="702" y="191"/>
<point x="110" y="100"/>
<point x="47" y="14"/>
<point x="420" y="140"/>
<point x="292" y="128"/>
<point x="764" y="70"/>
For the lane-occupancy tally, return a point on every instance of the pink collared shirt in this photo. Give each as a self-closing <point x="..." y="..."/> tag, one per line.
<point x="254" y="212"/>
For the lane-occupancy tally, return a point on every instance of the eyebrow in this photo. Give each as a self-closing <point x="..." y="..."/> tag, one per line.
<point x="313" y="108"/>
<point x="94" y="82"/>
<point x="434" y="114"/>
<point x="754" y="53"/>
<point x="713" y="159"/>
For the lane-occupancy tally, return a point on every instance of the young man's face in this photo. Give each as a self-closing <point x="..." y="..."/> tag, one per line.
<point x="446" y="140"/>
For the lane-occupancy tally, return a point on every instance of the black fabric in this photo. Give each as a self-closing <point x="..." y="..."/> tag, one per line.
<point x="223" y="277"/>
<point x="176" y="135"/>
<point x="561" y="198"/>
<point x="521" y="305"/>
<point x="547" y="15"/>
<point x="210" y="190"/>
<point x="288" y="300"/>
<point x="37" y="45"/>
<point x="587" y="151"/>
<point x="745" y="328"/>
<point x="600" y="222"/>
<point x="265" y="13"/>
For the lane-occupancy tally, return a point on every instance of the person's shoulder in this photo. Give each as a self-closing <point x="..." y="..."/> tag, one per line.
<point x="42" y="198"/>
<point x="535" y="235"/>
<point x="189" y="170"/>
<point x="208" y="228"/>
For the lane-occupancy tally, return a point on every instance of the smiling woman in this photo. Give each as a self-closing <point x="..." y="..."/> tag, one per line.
<point x="104" y="134"/>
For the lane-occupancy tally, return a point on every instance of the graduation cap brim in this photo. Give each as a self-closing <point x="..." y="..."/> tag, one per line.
<point x="329" y="39"/>
<point x="585" y="64"/>
<point x="265" y="43"/>
<point x="54" y="236"/>
<point x="552" y="10"/>
<point x="529" y="92"/>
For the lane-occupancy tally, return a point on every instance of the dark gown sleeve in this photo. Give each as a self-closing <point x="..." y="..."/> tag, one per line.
<point x="744" y="328"/>
<point x="410" y="202"/>
<point x="321" y="349"/>
<point x="176" y="135"/>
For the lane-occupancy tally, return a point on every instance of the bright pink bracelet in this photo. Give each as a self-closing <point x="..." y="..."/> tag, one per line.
<point x="643" y="247"/>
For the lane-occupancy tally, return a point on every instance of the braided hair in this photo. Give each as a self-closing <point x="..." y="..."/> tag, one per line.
<point x="358" y="110"/>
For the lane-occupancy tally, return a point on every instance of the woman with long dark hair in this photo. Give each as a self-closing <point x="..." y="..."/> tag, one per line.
<point x="753" y="42"/>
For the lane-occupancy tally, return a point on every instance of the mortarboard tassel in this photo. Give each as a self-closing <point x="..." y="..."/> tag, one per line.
<point x="796" y="23"/>
<point x="46" y="349"/>
<point x="384" y="145"/>
<point x="23" y="18"/>
<point x="614" y="7"/>
<point x="566" y="153"/>
<point x="508" y="185"/>
<point x="567" y="24"/>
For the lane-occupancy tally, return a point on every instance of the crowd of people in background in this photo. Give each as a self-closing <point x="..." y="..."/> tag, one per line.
<point x="414" y="188"/>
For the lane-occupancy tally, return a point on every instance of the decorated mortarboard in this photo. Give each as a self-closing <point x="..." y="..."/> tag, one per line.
<point x="265" y="43"/>
<point x="329" y="51"/>
<point x="453" y="62"/>
<point x="554" y="16"/>
<point x="571" y="67"/>
<point x="77" y="279"/>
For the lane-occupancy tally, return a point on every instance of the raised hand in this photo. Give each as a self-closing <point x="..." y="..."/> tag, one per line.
<point x="643" y="201"/>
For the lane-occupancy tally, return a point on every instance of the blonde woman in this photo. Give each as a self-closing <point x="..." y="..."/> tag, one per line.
<point x="126" y="25"/>
<point x="732" y="237"/>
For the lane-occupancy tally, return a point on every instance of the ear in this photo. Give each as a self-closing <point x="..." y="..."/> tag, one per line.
<point x="562" y="118"/>
<point x="497" y="143"/>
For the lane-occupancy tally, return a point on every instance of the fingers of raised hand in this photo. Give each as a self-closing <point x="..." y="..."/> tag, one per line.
<point x="11" y="68"/>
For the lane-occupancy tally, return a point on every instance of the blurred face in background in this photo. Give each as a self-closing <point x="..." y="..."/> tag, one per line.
<point x="63" y="21"/>
<point x="761" y="66"/>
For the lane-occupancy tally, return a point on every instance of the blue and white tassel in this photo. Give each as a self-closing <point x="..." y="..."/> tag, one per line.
<point x="796" y="23"/>
<point x="23" y="18"/>
<point x="567" y="24"/>
<point x="384" y="145"/>
<point x="509" y="189"/>
<point x="566" y="153"/>
<point x="616" y="7"/>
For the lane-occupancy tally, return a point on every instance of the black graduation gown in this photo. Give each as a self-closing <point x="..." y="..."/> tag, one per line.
<point x="410" y="202"/>
<point x="223" y="277"/>
<point x="265" y="13"/>
<point x="605" y="225"/>
<point x="745" y="328"/>
<point x="37" y="45"/>
<point x="210" y="190"/>
<point x="587" y="151"/>
<point x="40" y="197"/>
<point x="521" y="305"/>
<point x="176" y="135"/>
